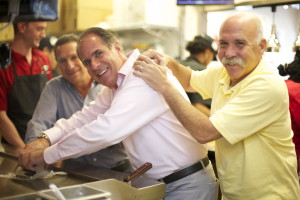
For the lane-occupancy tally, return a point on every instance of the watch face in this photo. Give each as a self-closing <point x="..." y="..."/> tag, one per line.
<point x="43" y="135"/>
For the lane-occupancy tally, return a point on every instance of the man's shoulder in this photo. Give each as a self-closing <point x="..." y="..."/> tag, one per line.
<point x="266" y="74"/>
<point x="56" y="82"/>
<point x="192" y="63"/>
<point x="267" y="85"/>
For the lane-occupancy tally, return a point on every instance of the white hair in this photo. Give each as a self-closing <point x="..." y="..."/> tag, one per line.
<point x="249" y="15"/>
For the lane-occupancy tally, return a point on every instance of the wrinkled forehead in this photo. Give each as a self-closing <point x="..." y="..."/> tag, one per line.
<point x="241" y="22"/>
<point x="66" y="48"/>
<point x="238" y="30"/>
<point x="87" y="43"/>
<point x="88" y="39"/>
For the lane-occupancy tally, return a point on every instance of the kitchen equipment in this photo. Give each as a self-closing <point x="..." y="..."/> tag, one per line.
<point x="145" y="167"/>
<point x="77" y="192"/>
<point x="57" y="192"/>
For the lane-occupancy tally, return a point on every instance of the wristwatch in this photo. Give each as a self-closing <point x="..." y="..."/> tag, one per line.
<point x="43" y="135"/>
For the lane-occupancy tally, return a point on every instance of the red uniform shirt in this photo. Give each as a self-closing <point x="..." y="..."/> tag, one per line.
<point x="40" y="64"/>
<point x="294" y="96"/>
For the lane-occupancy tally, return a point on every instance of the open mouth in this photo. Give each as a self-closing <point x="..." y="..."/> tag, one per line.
<point x="101" y="73"/>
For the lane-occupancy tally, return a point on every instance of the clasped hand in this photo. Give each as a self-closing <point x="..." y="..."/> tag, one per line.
<point x="33" y="154"/>
<point x="151" y="67"/>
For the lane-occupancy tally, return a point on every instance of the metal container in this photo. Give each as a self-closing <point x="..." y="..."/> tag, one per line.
<point x="25" y="197"/>
<point x="77" y="192"/>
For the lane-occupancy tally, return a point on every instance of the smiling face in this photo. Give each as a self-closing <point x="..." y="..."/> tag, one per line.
<point x="69" y="63"/>
<point x="32" y="32"/>
<point x="102" y="62"/>
<point x="239" y="48"/>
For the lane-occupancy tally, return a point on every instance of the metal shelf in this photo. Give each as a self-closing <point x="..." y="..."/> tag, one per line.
<point x="157" y="31"/>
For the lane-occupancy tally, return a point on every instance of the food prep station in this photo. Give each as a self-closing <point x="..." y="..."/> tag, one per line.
<point x="88" y="181"/>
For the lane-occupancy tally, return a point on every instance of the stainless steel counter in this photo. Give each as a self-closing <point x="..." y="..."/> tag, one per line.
<point x="77" y="174"/>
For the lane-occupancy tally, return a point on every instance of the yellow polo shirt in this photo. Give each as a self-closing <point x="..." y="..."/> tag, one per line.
<point x="256" y="157"/>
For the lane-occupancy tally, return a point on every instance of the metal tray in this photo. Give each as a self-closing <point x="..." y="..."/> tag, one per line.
<point x="77" y="192"/>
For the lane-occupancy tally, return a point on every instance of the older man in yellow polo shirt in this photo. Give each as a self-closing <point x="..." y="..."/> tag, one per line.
<point x="250" y="118"/>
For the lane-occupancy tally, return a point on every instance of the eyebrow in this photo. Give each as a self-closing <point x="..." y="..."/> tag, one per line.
<point x="96" y="51"/>
<point x="88" y="60"/>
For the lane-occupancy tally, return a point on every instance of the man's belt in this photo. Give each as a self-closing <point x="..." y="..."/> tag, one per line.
<point x="186" y="171"/>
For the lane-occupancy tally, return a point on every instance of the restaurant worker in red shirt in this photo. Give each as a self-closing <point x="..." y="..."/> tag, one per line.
<point x="22" y="82"/>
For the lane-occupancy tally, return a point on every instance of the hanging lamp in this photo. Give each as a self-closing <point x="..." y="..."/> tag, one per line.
<point x="297" y="41"/>
<point x="273" y="42"/>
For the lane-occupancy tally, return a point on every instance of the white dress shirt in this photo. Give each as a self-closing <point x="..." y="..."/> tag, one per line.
<point x="135" y="114"/>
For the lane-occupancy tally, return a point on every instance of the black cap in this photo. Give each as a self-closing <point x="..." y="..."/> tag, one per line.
<point x="48" y="41"/>
<point x="207" y="39"/>
<point x="200" y="43"/>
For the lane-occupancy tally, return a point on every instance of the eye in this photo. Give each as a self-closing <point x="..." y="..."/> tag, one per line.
<point x="240" y="43"/>
<point x="98" y="54"/>
<point x="222" y="44"/>
<point x="74" y="57"/>
<point x="87" y="63"/>
<point x="62" y="61"/>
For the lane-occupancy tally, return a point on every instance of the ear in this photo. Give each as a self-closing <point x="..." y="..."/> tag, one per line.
<point x="263" y="45"/>
<point x="22" y="27"/>
<point x="118" y="46"/>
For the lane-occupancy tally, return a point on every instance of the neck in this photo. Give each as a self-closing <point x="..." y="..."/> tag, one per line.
<point x="84" y="87"/>
<point x="19" y="46"/>
<point x="201" y="59"/>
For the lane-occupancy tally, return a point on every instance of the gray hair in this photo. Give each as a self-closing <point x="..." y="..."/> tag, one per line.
<point x="65" y="39"/>
<point x="107" y="36"/>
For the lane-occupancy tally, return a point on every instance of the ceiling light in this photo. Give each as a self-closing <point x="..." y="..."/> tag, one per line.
<point x="273" y="42"/>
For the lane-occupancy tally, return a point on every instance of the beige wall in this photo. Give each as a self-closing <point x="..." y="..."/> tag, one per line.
<point x="74" y="16"/>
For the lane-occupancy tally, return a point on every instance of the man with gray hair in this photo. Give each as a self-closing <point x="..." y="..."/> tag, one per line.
<point x="250" y="120"/>
<point x="67" y="94"/>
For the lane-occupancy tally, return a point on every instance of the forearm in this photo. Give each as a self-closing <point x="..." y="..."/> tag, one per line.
<point x="40" y="122"/>
<point x="46" y="112"/>
<point x="9" y="131"/>
<point x="34" y="129"/>
<point x="198" y="125"/>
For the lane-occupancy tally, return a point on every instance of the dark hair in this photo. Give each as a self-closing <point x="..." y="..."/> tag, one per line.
<point x="197" y="46"/>
<point x="107" y="36"/>
<point x="292" y="69"/>
<point x="65" y="39"/>
<point x="48" y="41"/>
<point x="15" y="25"/>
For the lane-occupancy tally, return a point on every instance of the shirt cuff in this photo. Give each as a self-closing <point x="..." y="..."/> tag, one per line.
<point x="54" y="134"/>
<point x="51" y="154"/>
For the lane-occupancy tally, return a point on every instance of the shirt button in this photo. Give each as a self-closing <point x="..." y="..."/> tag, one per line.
<point x="94" y="159"/>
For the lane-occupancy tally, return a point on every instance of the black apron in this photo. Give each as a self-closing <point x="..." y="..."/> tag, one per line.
<point x="24" y="97"/>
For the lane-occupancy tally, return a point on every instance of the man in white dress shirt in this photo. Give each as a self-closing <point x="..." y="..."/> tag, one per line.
<point x="127" y="110"/>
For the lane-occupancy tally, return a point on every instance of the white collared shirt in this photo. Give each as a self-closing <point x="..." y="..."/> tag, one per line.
<point x="135" y="114"/>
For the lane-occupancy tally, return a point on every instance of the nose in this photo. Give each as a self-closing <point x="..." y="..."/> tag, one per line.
<point x="43" y="34"/>
<point x="94" y="64"/>
<point x="70" y="65"/>
<point x="230" y="51"/>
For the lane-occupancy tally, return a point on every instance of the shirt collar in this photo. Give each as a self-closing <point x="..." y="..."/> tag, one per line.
<point x="225" y="79"/>
<point x="127" y="66"/>
<point x="17" y="56"/>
